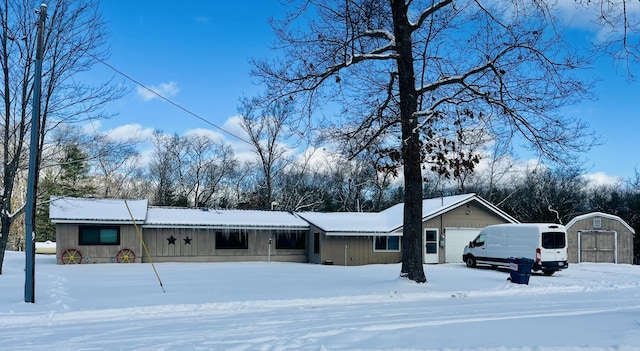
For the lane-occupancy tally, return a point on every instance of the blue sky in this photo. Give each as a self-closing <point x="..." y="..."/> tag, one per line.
<point x="196" y="53"/>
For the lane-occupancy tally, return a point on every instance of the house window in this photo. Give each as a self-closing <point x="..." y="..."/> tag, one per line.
<point x="99" y="235"/>
<point x="316" y="243"/>
<point x="231" y="239"/>
<point x="294" y="240"/>
<point x="386" y="243"/>
<point x="597" y="222"/>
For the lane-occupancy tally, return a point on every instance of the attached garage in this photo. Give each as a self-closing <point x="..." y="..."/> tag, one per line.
<point x="450" y="222"/>
<point x="457" y="238"/>
<point x="601" y="238"/>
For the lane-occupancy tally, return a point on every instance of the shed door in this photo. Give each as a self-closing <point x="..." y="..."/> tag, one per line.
<point x="455" y="241"/>
<point x="598" y="246"/>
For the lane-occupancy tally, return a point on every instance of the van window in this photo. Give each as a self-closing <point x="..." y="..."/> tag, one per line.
<point x="479" y="240"/>
<point x="553" y="240"/>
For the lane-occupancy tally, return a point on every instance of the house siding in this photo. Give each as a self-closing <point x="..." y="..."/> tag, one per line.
<point x="202" y="246"/>
<point x="624" y="237"/>
<point x="470" y="215"/>
<point x="358" y="250"/>
<point x="68" y="236"/>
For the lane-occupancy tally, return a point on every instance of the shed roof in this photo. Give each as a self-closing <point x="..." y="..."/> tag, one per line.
<point x="189" y="217"/>
<point x="600" y="214"/>
<point x="89" y="210"/>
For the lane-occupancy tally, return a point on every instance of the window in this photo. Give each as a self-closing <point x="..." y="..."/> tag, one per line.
<point x="231" y="239"/>
<point x="293" y="240"/>
<point x="597" y="222"/>
<point x="553" y="240"/>
<point x="99" y="235"/>
<point x="479" y="241"/>
<point x="386" y="243"/>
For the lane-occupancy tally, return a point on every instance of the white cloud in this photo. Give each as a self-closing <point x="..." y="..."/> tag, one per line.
<point x="129" y="131"/>
<point x="91" y="127"/>
<point x="213" y="135"/>
<point x="151" y="92"/>
<point x="601" y="178"/>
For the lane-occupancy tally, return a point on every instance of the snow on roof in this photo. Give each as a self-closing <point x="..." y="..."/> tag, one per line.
<point x="437" y="206"/>
<point x="188" y="217"/>
<point x="78" y="210"/>
<point x="603" y="215"/>
<point x="350" y="223"/>
<point x="429" y="206"/>
<point x="391" y="219"/>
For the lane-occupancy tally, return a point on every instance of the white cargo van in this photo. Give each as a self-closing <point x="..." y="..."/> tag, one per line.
<point x="544" y="243"/>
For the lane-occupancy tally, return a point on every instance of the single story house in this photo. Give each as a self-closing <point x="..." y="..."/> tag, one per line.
<point x="117" y="230"/>
<point x="448" y="224"/>
<point x="600" y="237"/>
<point x="110" y="230"/>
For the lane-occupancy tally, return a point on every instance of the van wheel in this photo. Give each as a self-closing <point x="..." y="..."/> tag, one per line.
<point x="548" y="273"/>
<point x="470" y="261"/>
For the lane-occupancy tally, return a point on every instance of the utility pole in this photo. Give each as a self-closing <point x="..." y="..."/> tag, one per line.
<point x="30" y="209"/>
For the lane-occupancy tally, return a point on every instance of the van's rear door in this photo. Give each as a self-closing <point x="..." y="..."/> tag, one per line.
<point x="554" y="247"/>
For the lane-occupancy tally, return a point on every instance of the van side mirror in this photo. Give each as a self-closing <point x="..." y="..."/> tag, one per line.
<point x="470" y="243"/>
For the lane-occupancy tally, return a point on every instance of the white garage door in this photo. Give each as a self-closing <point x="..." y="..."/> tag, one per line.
<point x="455" y="241"/>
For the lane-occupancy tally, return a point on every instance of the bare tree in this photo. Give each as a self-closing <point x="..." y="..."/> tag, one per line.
<point x="401" y="73"/>
<point x="114" y="163"/>
<point x="74" y="39"/>
<point x="617" y="23"/>
<point x="267" y="128"/>
<point x="164" y="169"/>
<point x="209" y="165"/>
<point x="190" y="170"/>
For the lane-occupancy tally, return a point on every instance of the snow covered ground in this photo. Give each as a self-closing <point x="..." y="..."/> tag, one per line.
<point x="288" y="306"/>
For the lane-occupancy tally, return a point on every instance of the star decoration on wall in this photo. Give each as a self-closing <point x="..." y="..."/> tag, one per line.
<point x="171" y="240"/>
<point x="187" y="241"/>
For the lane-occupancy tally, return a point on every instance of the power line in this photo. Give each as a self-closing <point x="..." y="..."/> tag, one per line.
<point x="159" y="95"/>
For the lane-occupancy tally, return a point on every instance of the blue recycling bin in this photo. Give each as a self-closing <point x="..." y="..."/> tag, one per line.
<point x="520" y="269"/>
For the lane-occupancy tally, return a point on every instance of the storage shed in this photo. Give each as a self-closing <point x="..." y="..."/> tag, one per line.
<point x="600" y="237"/>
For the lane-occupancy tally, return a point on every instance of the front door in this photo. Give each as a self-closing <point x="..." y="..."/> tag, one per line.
<point x="431" y="246"/>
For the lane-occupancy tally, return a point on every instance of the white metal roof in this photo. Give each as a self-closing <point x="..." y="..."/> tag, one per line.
<point x="351" y="223"/>
<point x="603" y="215"/>
<point x="434" y="207"/>
<point x="187" y="217"/>
<point x="88" y="210"/>
<point x="389" y="221"/>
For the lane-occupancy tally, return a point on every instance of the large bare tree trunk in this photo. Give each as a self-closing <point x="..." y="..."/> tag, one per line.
<point x="412" y="230"/>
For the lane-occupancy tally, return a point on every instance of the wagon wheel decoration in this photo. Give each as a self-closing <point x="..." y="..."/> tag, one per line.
<point x="126" y="256"/>
<point x="71" y="256"/>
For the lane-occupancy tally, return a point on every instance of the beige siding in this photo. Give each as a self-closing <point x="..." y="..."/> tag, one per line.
<point x="67" y="237"/>
<point x="311" y="249"/>
<point x="471" y="215"/>
<point x="358" y="250"/>
<point x="201" y="247"/>
<point x="625" y="238"/>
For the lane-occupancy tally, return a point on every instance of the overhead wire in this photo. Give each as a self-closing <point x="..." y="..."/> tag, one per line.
<point x="154" y="92"/>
